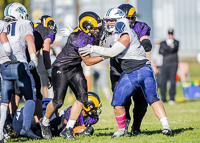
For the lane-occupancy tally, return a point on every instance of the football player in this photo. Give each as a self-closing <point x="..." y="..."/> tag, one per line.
<point x="140" y="105"/>
<point x="18" y="119"/>
<point x="67" y="71"/>
<point x="44" y="33"/>
<point x="20" y="32"/>
<point x="88" y="117"/>
<point x="137" y="72"/>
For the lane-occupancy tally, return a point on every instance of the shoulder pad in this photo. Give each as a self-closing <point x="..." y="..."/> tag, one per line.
<point x="120" y="26"/>
<point x="27" y="22"/>
<point x="75" y="30"/>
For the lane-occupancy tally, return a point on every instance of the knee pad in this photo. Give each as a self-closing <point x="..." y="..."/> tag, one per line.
<point x="82" y="97"/>
<point x="57" y="104"/>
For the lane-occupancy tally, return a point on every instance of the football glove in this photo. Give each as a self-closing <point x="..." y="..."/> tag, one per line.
<point x="13" y="59"/>
<point x="31" y="65"/>
<point x="86" y="50"/>
<point x="66" y="31"/>
<point x="49" y="78"/>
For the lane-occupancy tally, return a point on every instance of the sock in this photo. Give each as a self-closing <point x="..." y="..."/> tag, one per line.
<point x="121" y="120"/>
<point x="3" y="117"/>
<point x="71" y="123"/>
<point x="28" y="111"/>
<point x="164" y="122"/>
<point x="45" y="121"/>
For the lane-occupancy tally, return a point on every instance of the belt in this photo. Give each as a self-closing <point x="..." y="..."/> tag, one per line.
<point x="9" y="62"/>
<point x="148" y="63"/>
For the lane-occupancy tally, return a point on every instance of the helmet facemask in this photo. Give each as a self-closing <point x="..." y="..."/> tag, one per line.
<point x="48" y="21"/>
<point x="112" y="16"/>
<point x="110" y="25"/>
<point x="131" y="21"/>
<point x="93" y="105"/>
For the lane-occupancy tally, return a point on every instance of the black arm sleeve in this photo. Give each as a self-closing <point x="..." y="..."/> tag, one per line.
<point x="146" y="43"/>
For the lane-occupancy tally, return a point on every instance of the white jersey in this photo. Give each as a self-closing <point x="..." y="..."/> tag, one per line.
<point x="3" y="26"/>
<point x="17" y="31"/>
<point x="134" y="50"/>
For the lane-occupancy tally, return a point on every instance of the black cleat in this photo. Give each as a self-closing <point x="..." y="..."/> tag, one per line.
<point x="167" y="131"/>
<point x="88" y="131"/>
<point x="67" y="133"/>
<point x="45" y="130"/>
<point x="135" y="132"/>
<point x="127" y="122"/>
<point x="11" y="132"/>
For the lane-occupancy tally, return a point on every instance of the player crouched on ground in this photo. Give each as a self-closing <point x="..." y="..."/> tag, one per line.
<point x="88" y="117"/>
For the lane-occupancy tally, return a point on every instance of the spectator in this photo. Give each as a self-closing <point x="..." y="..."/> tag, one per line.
<point x="169" y="49"/>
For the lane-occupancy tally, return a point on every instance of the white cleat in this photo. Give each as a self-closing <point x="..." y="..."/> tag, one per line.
<point x="118" y="133"/>
<point x="167" y="131"/>
<point x="2" y="139"/>
<point x="29" y="133"/>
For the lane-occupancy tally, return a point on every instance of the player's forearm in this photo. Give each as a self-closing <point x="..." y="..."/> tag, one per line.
<point x="91" y="60"/>
<point x="116" y="49"/>
<point x="31" y="44"/>
<point x="47" y="60"/>
<point x="31" y="48"/>
<point x="6" y="45"/>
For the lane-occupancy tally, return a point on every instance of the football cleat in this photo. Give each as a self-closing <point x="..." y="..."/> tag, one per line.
<point x="2" y="138"/>
<point x="167" y="131"/>
<point x="28" y="133"/>
<point x="118" y="133"/>
<point x="127" y="122"/>
<point x="88" y="131"/>
<point x="135" y="132"/>
<point x="45" y="130"/>
<point x="67" y="133"/>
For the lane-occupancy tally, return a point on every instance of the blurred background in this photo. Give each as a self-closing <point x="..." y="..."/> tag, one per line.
<point x="181" y="15"/>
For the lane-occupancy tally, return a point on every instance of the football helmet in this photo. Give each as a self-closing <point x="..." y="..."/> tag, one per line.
<point x="130" y="12"/>
<point x="48" y="21"/>
<point x="90" y="20"/>
<point x="15" y="11"/>
<point x="113" y="14"/>
<point x="92" y="107"/>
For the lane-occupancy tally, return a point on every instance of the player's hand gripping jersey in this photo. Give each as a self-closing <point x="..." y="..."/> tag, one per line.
<point x="17" y="31"/>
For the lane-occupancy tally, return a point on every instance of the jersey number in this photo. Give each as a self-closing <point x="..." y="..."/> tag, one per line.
<point x="11" y="28"/>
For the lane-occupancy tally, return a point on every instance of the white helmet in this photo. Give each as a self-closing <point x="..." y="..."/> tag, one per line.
<point x="113" y="14"/>
<point x="15" y="11"/>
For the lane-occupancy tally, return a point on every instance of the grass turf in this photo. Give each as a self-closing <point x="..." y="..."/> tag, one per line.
<point x="183" y="118"/>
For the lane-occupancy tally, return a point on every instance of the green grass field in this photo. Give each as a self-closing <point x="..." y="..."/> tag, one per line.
<point x="183" y="117"/>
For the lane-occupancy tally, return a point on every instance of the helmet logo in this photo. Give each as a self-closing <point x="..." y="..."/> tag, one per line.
<point x="21" y="10"/>
<point x="131" y="12"/>
<point x="120" y="13"/>
<point x="107" y="14"/>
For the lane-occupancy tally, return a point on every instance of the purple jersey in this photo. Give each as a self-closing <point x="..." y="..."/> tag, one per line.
<point x="69" y="55"/>
<point x="41" y="33"/>
<point x="86" y="121"/>
<point x="141" y="29"/>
